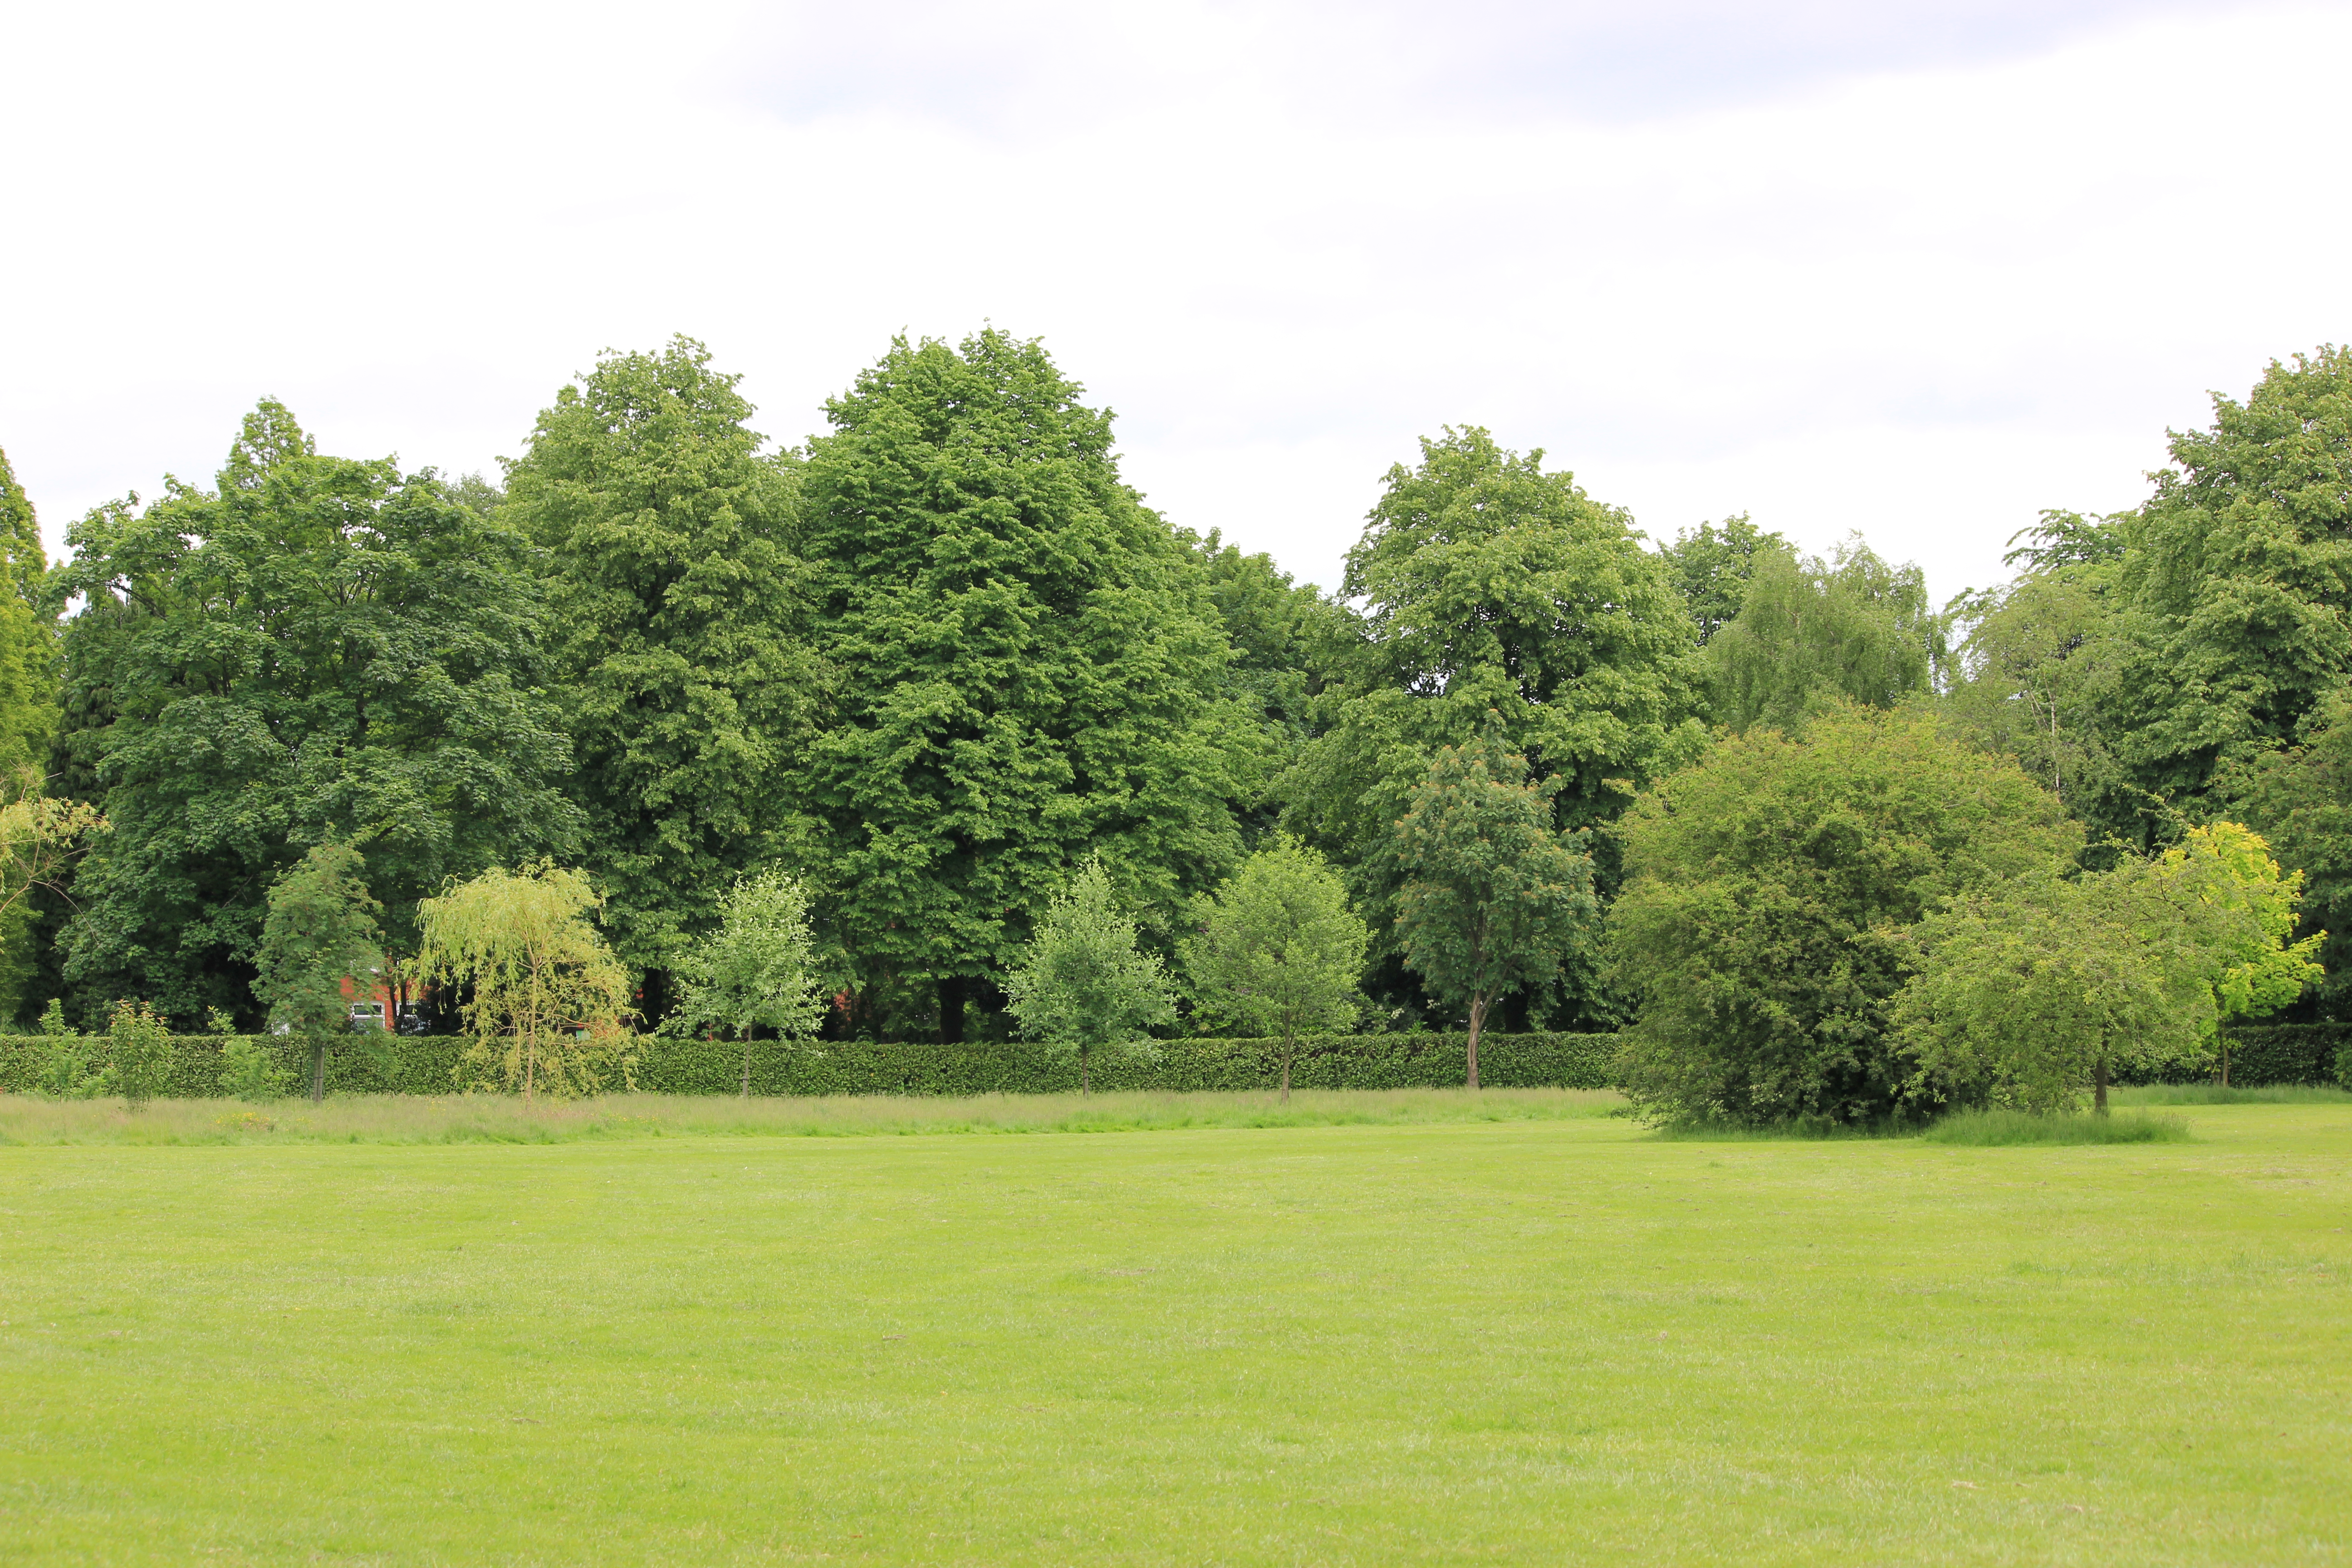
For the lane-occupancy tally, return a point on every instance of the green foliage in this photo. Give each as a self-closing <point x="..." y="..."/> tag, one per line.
<point x="319" y="648"/>
<point x="2029" y="992"/>
<point x="1495" y="899"/>
<point x="676" y="610"/>
<point x="1029" y="668"/>
<point x="1278" y="949"/>
<point x="2238" y="577"/>
<point x="68" y="1066"/>
<point x="758" y="970"/>
<point x="1081" y="986"/>
<point x="1712" y="564"/>
<point x="1496" y="595"/>
<point x="250" y="1070"/>
<point x="1768" y="887"/>
<point x="139" y="1052"/>
<point x="2260" y="967"/>
<point x="2299" y="798"/>
<point x="320" y="936"/>
<point x="1812" y="634"/>
<point x="546" y="998"/>
<point x="28" y="633"/>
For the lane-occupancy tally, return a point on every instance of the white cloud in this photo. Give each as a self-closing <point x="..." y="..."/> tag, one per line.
<point x="1831" y="286"/>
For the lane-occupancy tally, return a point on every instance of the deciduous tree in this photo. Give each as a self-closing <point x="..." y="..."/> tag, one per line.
<point x="1029" y="670"/>
<point x="1278" y="950"/>
<point x="320" y="945"/>
<point x="757" y="970"/>
<point x="1812" y="632"/>
<point x="1494" y="897"/>
<point x="677" y="614"/>
<point x="547" y="1001"/>
<point x="1081" y="986"/>
<point x="318" y="647"/>
<point x="1768" y="886"/>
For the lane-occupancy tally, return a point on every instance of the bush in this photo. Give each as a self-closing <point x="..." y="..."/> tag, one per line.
<point x="141" y="1052"/>
<point x="432" y="1064"/>
<point x="249" y="1072"/>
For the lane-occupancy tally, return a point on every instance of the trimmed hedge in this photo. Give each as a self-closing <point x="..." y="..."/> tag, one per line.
<point x="2261" y="1055"/>
<point x="428" y="1064"/>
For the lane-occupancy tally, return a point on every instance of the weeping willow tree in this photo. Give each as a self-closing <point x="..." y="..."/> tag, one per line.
<point x="1812" y="634"/>
<point x="548" y="998"/>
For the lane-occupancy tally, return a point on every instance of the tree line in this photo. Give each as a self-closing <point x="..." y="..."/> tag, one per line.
<point x="944" y="672"/>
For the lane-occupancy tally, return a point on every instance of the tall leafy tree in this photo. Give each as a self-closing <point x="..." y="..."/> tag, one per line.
<point x="676" y="610"/>
<point x="1278" y="951"/>
<point x="2299" y="799"/>
<point x="2238" y="577"/>
<point x="1812" y="632"/>
<point x="1493" y="592"/>
<point x="1495" y="897"/>
<point x="320" y="649"/>
<point x="320" y="935"/>
<point x="1029" y="671"/>
<point x="1768" y="889"/>
<point x="1081" y="985"/>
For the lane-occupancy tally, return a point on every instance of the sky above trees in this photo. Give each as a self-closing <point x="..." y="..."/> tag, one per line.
<point x="1918" y="270"/>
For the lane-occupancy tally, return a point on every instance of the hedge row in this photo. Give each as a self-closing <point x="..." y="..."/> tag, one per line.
<point x="430" y="1064"/>
<point x="2265" y="1054"/>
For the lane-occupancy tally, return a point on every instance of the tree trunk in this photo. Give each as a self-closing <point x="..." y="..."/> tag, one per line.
<point x="1477" y="1020"/>
<point x="2099" y="1087"/>
<point x="951" y="995"/>
<point x="317" y="1070"/>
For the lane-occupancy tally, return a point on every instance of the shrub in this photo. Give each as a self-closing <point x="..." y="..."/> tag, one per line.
<point x="141" y="1051"/>
<point x="1768" y="886"/>
<point x="249" y="1072"/>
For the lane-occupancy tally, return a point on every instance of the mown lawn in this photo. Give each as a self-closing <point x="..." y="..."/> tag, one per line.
<point x="1531" y="1340"/>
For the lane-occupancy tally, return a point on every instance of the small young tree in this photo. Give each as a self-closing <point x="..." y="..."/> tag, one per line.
<point x="758" y="970"/>
<point x="320" y="931"/>
<point x="1081" y="986"/>
<point x="2044" y="987"/>
<point x="1495" y="899"/>
<point x="141" y="1047"/>
<point x="68" y="1073"/>
<point x="548" y="997"/>
<point x="1279" y="950"/>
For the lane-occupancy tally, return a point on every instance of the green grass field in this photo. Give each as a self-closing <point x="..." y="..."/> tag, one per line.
<point x="1411" y="1337"/>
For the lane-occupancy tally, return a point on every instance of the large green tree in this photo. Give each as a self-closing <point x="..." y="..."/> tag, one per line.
<point x="1495" y="899"/>
<point x="1028" y="670"/>
<point x="677" y="613"/>
<point x="1768" y="889"/>
<point x="1711" y="565"/>
<point x="28" y="646"/>
<point x="1494" y="593"/>
<point x="320" y="649"/>
<point x="2237" y="575"/>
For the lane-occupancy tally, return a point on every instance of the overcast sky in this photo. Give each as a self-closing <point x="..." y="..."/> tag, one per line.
<point x="1914" y="270"/>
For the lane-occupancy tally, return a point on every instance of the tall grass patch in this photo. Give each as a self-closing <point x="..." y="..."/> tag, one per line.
<point x="2002" y="1129"/>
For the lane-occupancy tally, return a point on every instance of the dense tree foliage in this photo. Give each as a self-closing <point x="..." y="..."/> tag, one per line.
<point x="1813" y="633"/>
<point x="1767" y="890"/>
<point x="677" y="613"/>
<point x="1029" y="670"/>
<point x="319" y="648"/>
<point x="1493" y="898"/>
<point x="932" y="684"/>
